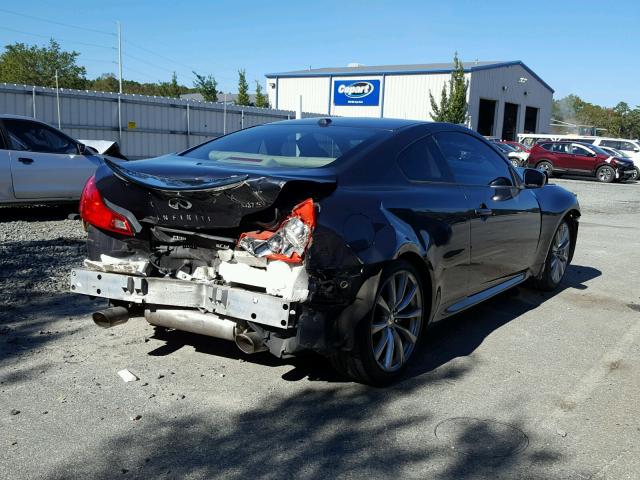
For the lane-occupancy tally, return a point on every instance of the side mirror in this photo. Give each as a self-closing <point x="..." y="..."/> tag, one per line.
<point x="82" y="149"/>
<point x="636" y="149"/>
<point x="534" y="178"/>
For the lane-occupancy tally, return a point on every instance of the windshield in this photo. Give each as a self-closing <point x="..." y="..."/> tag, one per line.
<point x="286" y="145"/>
<point x="598" y="150"/>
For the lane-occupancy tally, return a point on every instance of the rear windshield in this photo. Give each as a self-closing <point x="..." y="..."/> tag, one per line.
<point x="288" y="146"/>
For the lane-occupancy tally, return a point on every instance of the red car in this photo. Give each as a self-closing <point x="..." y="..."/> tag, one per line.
<point x="517" y="145"/>
<point x="557" y="158"/>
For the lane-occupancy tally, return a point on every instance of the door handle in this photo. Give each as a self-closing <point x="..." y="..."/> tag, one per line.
<point x="483" y="212"/>
<point x="26" y="161"/>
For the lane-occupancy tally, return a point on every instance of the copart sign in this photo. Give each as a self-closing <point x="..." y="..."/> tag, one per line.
<point x="364" y="93"/>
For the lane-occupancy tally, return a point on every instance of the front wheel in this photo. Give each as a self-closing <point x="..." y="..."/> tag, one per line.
<point x="387" y="338"/>
<point x="606" y="174"/>
<point x="557" y="259"/>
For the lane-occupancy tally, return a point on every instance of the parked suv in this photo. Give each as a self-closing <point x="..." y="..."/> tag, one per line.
<point x="557" y="158"/>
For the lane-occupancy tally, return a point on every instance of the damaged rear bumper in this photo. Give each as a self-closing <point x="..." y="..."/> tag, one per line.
<point x="227" y="301"/>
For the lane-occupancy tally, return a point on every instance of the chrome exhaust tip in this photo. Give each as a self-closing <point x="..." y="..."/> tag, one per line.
<point x="110" y="317"/>
<point x="250" y="342"/>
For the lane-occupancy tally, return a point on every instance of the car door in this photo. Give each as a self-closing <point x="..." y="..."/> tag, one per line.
<point x="6" y="187"/>
<point x="45" y="163"/>
<point x="438" y="210"/>
<point x="505" y="219"/>
<point x="562" y="156"/>
<point x="583" y="160"/>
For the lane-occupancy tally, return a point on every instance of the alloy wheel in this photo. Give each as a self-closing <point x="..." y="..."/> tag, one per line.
<point x="397" y="320"/>
<point x="560" y="252"/>
<point x="605" y="174"/>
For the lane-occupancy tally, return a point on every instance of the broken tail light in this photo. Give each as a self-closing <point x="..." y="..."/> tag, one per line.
<point x="289" y="242"/>
<point x="95" y="212"/>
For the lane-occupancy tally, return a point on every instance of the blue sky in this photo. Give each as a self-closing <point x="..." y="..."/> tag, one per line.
<point x="584" y="47"/>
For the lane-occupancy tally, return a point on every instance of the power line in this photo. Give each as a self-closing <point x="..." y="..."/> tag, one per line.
<point x="128" y="55"/>
<point x="33" y="17"/>
<point x="58" y="38"/>
<point x="158" y="55"/>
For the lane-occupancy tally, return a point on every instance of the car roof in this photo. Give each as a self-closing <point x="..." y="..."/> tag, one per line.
<point x="18" y="117"/>
<point x="361" y="122"/>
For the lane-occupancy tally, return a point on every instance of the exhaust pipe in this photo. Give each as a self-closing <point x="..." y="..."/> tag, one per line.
<point x="207" y="324"/>
<point x="110" y="317"/>
<point x="192" y="321"/>
<point x="250" y="342"/>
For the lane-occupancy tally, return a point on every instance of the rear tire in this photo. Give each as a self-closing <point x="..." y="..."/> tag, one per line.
<point x="606" y="174"/>
<point x="558" y="258"/>
<point x="387" y="338"/>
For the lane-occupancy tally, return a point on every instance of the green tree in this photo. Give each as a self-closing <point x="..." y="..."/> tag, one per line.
<point x="261" y="99"/>
<point x="453" y="105"/>
<point x="33" y="65"/>
<point x="243" y="89"/>
<point x="207" y="87"/>
<point x="107" y="82"/>
<point x="171" y="89"/>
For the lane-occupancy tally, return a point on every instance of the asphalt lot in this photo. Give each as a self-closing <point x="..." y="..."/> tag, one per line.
<point x="525" y="386"/>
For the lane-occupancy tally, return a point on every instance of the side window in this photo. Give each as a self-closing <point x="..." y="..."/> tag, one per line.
<point x="578" y="150"/>
<point x="610" y="144"/>
<point x="421" y="161"/>
<point x="627" y="146"/>
<point x="34" y="137"/>
<point x="471" y="161"/>
<point x="560" y="148"/>
<point x="547" y="146"/>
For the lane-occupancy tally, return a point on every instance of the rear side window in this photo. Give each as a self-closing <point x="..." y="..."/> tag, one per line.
<point x="472" y="161"/>
<point x="560" y="148"/>
<point x="422" y="162"/>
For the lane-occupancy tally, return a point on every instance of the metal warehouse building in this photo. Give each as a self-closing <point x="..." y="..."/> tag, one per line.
<point x="504" y="98"/>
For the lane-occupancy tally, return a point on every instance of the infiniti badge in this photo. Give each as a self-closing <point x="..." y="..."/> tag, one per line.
<point x="179" y="203"/>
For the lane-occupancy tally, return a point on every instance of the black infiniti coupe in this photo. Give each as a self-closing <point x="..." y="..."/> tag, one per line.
<point x="345" y="236"/>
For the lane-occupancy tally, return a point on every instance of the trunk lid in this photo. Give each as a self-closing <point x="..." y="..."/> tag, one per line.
<point x="181" y="192"/>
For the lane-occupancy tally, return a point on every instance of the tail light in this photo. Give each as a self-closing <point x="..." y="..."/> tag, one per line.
<point x="94" y="211"/>
<point x="290" y="240"/>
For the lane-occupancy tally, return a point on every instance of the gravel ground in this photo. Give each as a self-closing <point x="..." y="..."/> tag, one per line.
<point x="524" y="386"/>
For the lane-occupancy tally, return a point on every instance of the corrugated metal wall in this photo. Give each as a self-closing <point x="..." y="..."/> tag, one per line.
<point x="407" y="95"/>
<point x="504" y="85"/>
<point x="150" y="126"/>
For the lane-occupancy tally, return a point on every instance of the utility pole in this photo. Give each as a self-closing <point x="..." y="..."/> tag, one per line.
<point x="224" y="116"/>
<point x="120" y="57"/>
<point x="119" y="84"/>
<point x="58" y="98"/>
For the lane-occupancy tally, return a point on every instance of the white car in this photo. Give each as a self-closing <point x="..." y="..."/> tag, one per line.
<point x="631" y="148"/>
<point x="40" y="164"/>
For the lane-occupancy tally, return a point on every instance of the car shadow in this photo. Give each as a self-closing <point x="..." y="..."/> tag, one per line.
<point x="460" y="335"/>
<point x="38" y="213"/>
<point x="457" y="336"/>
